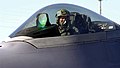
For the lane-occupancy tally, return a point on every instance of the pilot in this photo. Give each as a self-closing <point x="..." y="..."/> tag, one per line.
<point x="63" y="19"/>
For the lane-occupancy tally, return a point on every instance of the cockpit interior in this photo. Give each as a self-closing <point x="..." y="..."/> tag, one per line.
<point x="43" y="22"/>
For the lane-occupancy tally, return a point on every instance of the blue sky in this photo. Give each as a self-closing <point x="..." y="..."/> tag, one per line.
<point x="14" y="12"/>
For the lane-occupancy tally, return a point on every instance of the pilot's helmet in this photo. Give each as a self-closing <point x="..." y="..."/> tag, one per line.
<point x="62" y="12"/>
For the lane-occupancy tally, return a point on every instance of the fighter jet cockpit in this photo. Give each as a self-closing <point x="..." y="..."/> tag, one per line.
<point x="81" y="21"/>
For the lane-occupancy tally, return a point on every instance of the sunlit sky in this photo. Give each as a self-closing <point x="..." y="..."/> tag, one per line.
<point x="14" y="12"/>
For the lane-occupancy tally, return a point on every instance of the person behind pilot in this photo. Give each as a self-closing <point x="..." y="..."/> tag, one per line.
<point x="63" y="19"/>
